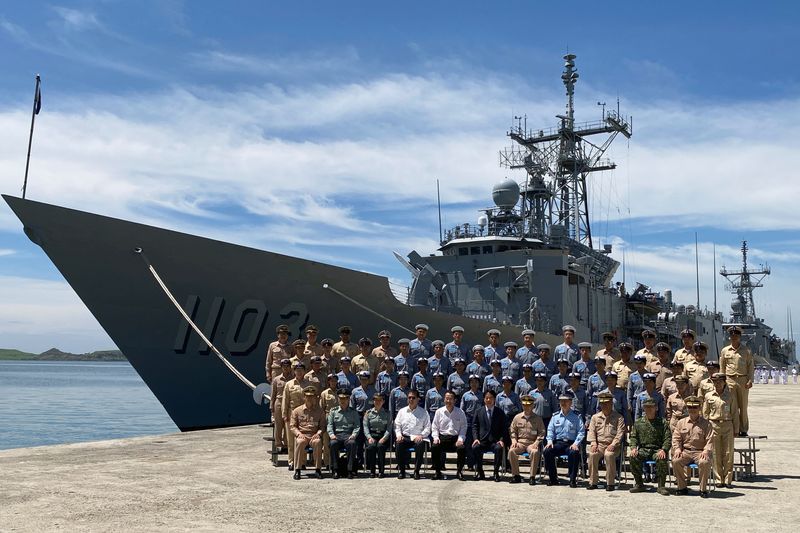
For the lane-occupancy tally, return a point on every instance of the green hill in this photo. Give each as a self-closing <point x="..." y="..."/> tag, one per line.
<point x="54" y="354"/>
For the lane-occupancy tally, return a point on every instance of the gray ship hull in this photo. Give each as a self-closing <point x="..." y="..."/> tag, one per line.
<point x="236" y="294"/>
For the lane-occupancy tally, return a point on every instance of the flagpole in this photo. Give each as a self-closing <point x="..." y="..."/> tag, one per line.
<point x="36" y="106"/>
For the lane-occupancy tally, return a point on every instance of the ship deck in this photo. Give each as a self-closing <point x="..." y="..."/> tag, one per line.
<point x="223" y="480"/>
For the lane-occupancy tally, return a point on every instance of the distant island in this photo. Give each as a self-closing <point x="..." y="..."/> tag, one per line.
<point x="54" y="354"/>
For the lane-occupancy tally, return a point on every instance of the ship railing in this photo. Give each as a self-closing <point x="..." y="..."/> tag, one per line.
<point x="400" y="292"/>
<point x="535" y="133"/>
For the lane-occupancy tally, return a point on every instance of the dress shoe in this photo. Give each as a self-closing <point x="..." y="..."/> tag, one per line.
<point x="350" y="475"/>
<point x="319" y="473"/>
<point x="591" y="487"/>
<point x="663" y="491"/>
<point x="437" y="476"/>
<point x="532" y="481"/>
<point x="380" y="475"/>
<point x="291" y="467"/>
<point x="742" y="433"/>
<point x="609" y="488"/>
<point x="573" y="484"/>
<point x="516" y="479"/>
<point x="401" y="475"/>
<point x="496" y="477"/>
<point x="552" y="482"/>
<point x="460" y="476"/>
<point x="336" y="475"/>
<point x="638" y="488"/>
<point x="704" y="494"/>
<point x="479" y="476"/>
<point x="416" y="475"/>
<point x="372" y="475"/>
<point x="681" y="492"/>
<point x="296" y="474"/>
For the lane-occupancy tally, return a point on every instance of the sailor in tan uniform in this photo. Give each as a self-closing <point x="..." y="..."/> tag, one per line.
<point x="676" y="403"/>
<point x="276" y="351"/>
<point x="308" y="425"/>
<point x="649" y="350"/>
<point x="668" y="388"/>
<point x="608" y="351"/>
<point x="317" y="374"/>
<point x="660" y="366"/>
<point x="344" y="346"/>
<point x="299" y="354"/>
<point x="625" y="366"/>
<point x="293" y="397"/>
<point x="685" y="353"/>
<point x="329" y="363"/>
<point x="384" y="349"/>
<point x="527" y="433"/>
<point x="696" y="370"/>
<point x="737" y="364"/>
<point x="279" y="382"/>
<point x="312" y="347"/>
<point x="327" y="401"/>
<point x="366" y="360"/>
<point x="719" y="408"/>
<point x="692" y="442"/>
<point x="606" y="431"/>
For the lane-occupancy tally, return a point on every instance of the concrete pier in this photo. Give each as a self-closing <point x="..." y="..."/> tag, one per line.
<point x="222" y="480"/>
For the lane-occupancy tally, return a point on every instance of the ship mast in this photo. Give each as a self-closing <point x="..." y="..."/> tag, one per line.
<point x="741" y="283"/>
<point x="557" y="162"/>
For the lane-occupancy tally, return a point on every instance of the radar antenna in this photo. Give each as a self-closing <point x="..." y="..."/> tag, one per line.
<point x="741" y="283"/>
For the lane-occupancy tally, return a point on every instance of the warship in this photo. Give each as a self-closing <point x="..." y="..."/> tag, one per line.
<point x="529" y="262"/>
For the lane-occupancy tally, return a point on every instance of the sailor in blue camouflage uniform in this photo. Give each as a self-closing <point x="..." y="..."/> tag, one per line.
<point x="585" y="365"/>
<point x="386" y="380"/>
<point x="347" y="379"/>
<point x="434" y="398"/>
<point x="545" y="403"/>
<point x="360" y="400"/>
<point x="438" y="362"/>
<point x="377" y="428"/>
<point x="649" y="392"/>
<point x="508" y="400"/>
<point x="527" y="353"/>
<point x="419" y="347"/>
<point x="510" y="365"/>
<point x="636" y="379"/>
<point x="471" y="401"/>
<point x="596" y="381"/>
<point x="568" y="349"/>
<point x="559" y="382"/>
<point x="580" y="401"/>
<point x="620" y="398"/>
<point x="422" y="380"/>
<point x="458" y="381"/>
<point x="526" y="383"/>
<point x="479" y="365"/>
<point x="545" y="364"/>
<point x="456" y="349"/>
<point x="402" y="361"/>
<point x="399" y="395"/>
<point x="494" y="349"/>
<point x="492" y="381"/>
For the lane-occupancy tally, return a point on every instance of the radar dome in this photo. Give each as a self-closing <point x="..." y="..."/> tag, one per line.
<point x="505" y="194"/>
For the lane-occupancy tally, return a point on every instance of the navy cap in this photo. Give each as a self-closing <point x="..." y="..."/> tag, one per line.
<point x="510" y="344"/>
<point x="364" y="374"/>
<point x="599" y="358"/>
<point x="345" y="359"/>
<point x="404" y="341"/>
<point x="527" y="366"/>
<point x="611" y="374"/>
<point x="584" y="345"/>
<point x="495" y="362"/>
<point x="457" y="328"/>
<point x="640" y="358"/>
<point x="299" y="364"/>
<point x="342" y="392"/>
<point x="438" y="375"/>
<point x="493" y="332"/>
<point x="384" y="333"/>
<point x="528" y="332"/>
<point x="402" y="373"/>
<point x="649" y="376"/>
<point x="474" y="376"/>
<point x="285" y="362"/>
<point x="568" y="328"/>
<point x="544" y="346"/>
<point x="437" y="342"/>
<point x="540" y="375"/>
<point x="478" y="348"/>
<point x="575" y="375"/>
<point x="508" y="378"/>
<point x="422" y="326"/>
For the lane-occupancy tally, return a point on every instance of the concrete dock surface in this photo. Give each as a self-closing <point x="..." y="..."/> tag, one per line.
<point x="222" y="480"/>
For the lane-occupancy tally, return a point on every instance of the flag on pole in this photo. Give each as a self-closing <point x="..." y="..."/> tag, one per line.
<point x="37" y="98"/>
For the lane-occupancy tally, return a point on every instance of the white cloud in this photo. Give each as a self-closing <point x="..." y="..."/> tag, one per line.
<point x="74" y="19"/>
<point x="6" y="251"/>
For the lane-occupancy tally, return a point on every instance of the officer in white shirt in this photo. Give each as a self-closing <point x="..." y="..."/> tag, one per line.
<point x="448" y="431"/>
<point x="412" y="427"/>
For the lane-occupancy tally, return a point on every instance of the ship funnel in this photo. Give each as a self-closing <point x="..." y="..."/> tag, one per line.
<point x="506" y="194"/>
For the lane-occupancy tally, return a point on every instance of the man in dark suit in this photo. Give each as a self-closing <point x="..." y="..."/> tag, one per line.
<point x="488" y="432"/>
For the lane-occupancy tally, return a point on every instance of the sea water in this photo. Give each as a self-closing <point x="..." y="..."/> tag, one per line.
<point x="55" y="402"/>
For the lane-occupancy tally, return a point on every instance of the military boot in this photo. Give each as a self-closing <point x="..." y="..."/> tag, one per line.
<point x="662" y="489"/>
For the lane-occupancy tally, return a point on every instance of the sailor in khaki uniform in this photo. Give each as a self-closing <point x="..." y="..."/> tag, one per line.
<point x="669" y="387"/>
<point x="299" y="354"/>
<point x="606" y="431"/>
<point x="276" y="351"/>
<point x="384" y="349"/>
<point x="317" y="374"/>
<point x="649" y="350"/>
<point x="608" y="351"/>
<point x="312" y="347"/>
<point x="279" y="382"/>
<point x="676" y="403"/>
<point x="661" y="366"/>
<point x="719" y="408"/>
<point x="344" y="347"/>
<point x="327" y="401"/>
<point x="366" y="360"/>
<point x="625" y="366"/>
<point x="329" y="363"/>
<point x="308" y="425"/>
<point x="737" y="364"/>
<point x="685" y="353"/>
<point x="707" y="385"/>
<point x="527" y="433"/>
<point x="293" y="397"/>
<point x="696" y="370"/>
<point x="692" y="442"/>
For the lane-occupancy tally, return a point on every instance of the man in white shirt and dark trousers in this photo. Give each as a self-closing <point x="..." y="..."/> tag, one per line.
<point x="412" y="427"/>
<point x="449" y="431"/>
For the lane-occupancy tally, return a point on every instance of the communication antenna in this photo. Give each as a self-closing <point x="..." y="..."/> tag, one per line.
<point x="439" y="204"/>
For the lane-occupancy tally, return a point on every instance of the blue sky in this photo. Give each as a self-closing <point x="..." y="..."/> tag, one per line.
<point x="319" y="128"/>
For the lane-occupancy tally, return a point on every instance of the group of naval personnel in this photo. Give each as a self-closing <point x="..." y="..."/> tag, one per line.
<point x="347" y="403"/>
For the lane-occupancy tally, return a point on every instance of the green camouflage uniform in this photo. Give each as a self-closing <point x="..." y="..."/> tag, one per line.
<point x="650" y="437"/>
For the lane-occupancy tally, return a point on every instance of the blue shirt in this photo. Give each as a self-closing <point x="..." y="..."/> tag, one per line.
<point x="421" y="383"/>
<point x="635" y="386"/>
<point x="511" y="367"/>
<point x="566" y="427"/>
<point x="384" y="384"/>
<point x="439" y="365"/>
<point x="470" y="402"/>
<point x="567" y="351"/>
<point x="454" y="351"/>
<point x="402" y="363"/>
<point x="528" y="355"/>
<point x="544" y="402"/>
<point x="510" y="404"/>
<point x="585" y="369"/>
<point x="558" y="384"/>
<point x="458" y="383"/>
<point x="595" y="384"/>
<point x="347" y="381"/>
<point x="397" y="400"/>
<point x="580" y="404"/>
<point x="481" y="370"/>
<point x="548" y="367"/>
<point x="638" y="406"/>
<point x="434" y="399"/>
<point x="493" y="383"/>
<point x="417" y="349"/>
<point x="361" y="398"/>
<point x="490" y="353"/>
<point x="523" y="386"/>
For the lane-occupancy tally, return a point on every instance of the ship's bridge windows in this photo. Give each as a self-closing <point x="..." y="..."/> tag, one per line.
<point x="487" y="249"/>
<point x="502" y="248"/>
<point x="463" y="251"/>
<point x="475" y="250"/>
